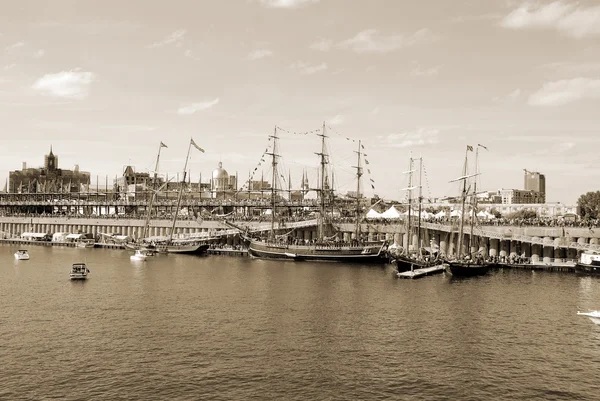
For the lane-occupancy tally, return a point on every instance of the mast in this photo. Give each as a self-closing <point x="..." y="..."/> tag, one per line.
<point x="358" y="175"/>
<point x="474" y="201"/>
<point x="462" y="212"/>
<point x="408" y="233"/>
<point x="420" y="203"/>
<point x="323" y="155"/>
<point x="182" y="184"/>
<point x="154" y="193"/>
<point x="274" y="155"/>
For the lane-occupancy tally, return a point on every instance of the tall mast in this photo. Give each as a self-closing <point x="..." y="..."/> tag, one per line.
<point x="420" y="203"/>
<point x="274" y="156"/>
<point x="474" y="201"/>
<point x="154" y="193"/>
<point x="323" y="156"/>
<point x="358" y="175"/>
<point x="462" y="212"/>
<point x="181" y="185"/>
<point x="408" y="229"/>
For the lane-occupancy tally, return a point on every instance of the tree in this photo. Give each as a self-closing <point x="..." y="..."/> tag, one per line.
<point x="588" y="205"/>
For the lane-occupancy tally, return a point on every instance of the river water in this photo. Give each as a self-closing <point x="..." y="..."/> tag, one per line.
<point x="183" y="327"/>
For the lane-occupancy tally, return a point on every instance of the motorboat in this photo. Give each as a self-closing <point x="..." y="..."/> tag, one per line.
<point x="139" y="255"/>
<point x="84" y="244"/>
<point x="593" y="315"/>
<point x="22" y="254"/>
<point x="589" y="263"/>
<point x="79" y="271"/>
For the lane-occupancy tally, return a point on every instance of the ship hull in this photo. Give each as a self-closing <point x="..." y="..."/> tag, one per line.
<point x="404" y="264"/>
<point x="350" y="254"/>
<point x="463" y="269"/>
<point x="199" y="249"/>
<point x="590" y="270"/>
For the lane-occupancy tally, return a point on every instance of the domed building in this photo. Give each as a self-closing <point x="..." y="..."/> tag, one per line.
<point x="222" y="183"/>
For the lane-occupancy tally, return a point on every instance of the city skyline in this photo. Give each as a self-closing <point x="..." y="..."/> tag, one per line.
<point x="105" y="83"/>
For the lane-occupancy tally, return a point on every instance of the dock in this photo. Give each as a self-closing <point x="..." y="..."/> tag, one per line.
<point x="555" y="266"/>
<point x="426" y="271"/>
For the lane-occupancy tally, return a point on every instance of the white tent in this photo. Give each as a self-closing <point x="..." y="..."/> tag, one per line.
<point x="373" y="214"/>
<point x="441" y="213"/>
<point x="425" y="214"/>
<point x="391" y="213"/>
<point x="455" y="213"/>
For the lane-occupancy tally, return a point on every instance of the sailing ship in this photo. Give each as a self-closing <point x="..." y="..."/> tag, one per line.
<point x="169" y="245"/>
<point x="470" y="263"/>
<point x="324" y="248"/>
<point x="410" y="260"/>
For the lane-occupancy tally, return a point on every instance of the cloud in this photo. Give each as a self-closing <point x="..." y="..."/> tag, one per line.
<point x="424" y="72"/>
<point x="9" y="66"/>
<point x="194" y="107"/>
<point x="286" y="3"/>
<point x="569" y="19"/>
<point x="371" y="41"/>
<point x="574" y="67"/>
<point x="322" y="45"/>
<point x="70" y="84"/>
<point x="419" y="137"/>
<point x="175" y="39"/>
<point x="260" y="53"/>
<point x="337" y="120"/>
<point x="39" y="54"/>
<point x="15" y="46"/>
<point x="565" y="91"/>
<point x="511" y="97"/>
<point x="307" y="69"/>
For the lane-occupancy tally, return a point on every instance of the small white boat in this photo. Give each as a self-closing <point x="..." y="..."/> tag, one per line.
<point x="593" y="315"/>
<point x="79" y="271"/>
<point x="139" y="255"/>
<point x="22" y="254"/>
<point x="84" y="244"/>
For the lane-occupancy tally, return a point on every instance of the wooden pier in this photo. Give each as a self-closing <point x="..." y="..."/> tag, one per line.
<point x="426" y="271"/>
<point x="567" y="267"/>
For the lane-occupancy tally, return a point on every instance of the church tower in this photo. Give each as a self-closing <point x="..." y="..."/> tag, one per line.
<point x="50" y="161"/>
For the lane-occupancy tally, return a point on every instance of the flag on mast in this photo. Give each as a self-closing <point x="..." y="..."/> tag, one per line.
<point x="469" y="147"/>
<point x="162" y="145"/>
<point x="482" y="146"/>
<point x="196" y="146"/>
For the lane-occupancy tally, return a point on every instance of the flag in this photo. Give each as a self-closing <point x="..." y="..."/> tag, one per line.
<point x="196" y="146"/>
<point x="482" y="146"/>
<point x="162" y="145"/>
<point x="469" y="147"/>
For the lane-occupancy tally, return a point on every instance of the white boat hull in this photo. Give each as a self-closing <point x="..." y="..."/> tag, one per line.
<point x="22" y="257"/>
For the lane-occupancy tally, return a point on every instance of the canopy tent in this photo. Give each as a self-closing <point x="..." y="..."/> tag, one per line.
<point x="391" y="213"/>
<point x="440" y="214"/>
<point x="74" y="236"/>
<point x="373" y="214"/>
<point x="455" y="213"/>
<point x="425" y="214"/>
<point x="34" y="235"/>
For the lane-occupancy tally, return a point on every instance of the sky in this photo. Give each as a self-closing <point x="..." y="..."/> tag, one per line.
<point x="104" y="82"/>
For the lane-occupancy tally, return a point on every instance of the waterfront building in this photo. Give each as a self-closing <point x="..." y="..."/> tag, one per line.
<point x="519" y="196"/>
<point x="48" y="179"/>
<point x="534" y="181"/>
<point x="223" y="185"/>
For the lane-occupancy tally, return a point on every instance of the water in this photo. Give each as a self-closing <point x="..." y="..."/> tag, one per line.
<point x="225" y="328"/>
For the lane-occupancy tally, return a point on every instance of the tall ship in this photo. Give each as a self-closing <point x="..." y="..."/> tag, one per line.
<point x="410" y="259"/>
<point x="327" y="246"/>
<point x="469" y="263"/>
<point x="168" y="244"/>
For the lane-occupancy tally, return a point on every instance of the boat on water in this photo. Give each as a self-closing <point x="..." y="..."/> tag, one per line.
<point x="589" y="263"/>
<point x="471" y="263"/>
<point x="409" y="260"/>
<point x="79" y="271"/>
<point x="84" y="244"/>
<point x="22" y="254"/>
<point x="327" y="246"/>
<point x="139" y="255"/>
<point x="593" y="315"/>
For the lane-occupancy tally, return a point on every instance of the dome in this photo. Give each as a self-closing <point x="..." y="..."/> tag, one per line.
<point x="220" y="173"/>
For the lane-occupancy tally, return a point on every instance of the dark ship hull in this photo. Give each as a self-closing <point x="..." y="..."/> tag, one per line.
<point x="590" y="270"/>
<point x="465" y="269"/>
<point x="348" y="254"/>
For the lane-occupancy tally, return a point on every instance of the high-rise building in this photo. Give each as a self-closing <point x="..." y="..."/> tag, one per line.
<point x="536" y="182"/>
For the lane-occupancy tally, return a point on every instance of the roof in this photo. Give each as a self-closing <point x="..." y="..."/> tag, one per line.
<point x="74" y="236"/>
<point x="34" y="235"/>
